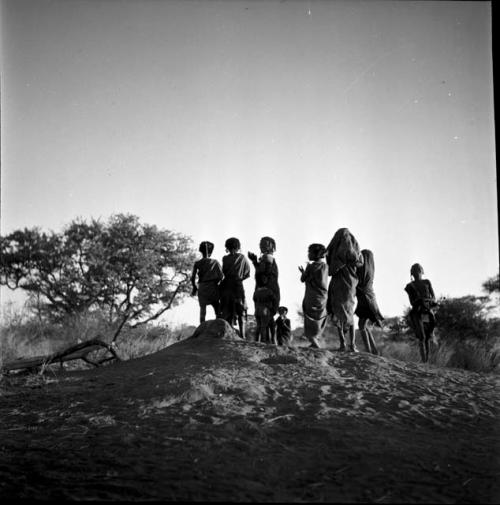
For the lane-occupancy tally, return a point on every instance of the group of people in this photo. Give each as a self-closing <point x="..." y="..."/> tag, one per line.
<point x="349" y="292"/>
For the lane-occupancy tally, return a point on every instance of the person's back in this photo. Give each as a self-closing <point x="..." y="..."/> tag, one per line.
<point x="236" y="269"/>
<point x="209" y="274"/>
<point x="421" y="294"/>
<point x="209" y="270"/>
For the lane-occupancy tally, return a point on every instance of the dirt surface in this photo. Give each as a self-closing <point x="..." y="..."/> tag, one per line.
<point x="217" y="418"/>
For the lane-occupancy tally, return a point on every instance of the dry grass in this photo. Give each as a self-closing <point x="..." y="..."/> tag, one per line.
<point x="23" y="337"/>
<point x="475" y="355"/>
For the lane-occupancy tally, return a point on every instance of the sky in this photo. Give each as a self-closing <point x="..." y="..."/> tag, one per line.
<point x="250" y="118"/>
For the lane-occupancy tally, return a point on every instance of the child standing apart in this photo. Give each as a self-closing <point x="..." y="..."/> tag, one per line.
<point x="315" y="277"/>
<point x="367" y="309"/>
<point x="209" y="275"/>
<point x="236" y="269"/>
<point x="283" y="327"/>
<point x="265" y="306"/>
<point x="423" y="301"/>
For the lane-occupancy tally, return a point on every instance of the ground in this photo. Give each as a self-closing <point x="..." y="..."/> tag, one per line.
<point x="217" y="418"/>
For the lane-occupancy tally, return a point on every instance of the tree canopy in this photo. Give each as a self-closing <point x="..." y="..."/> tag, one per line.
<point x="133" y="272"/>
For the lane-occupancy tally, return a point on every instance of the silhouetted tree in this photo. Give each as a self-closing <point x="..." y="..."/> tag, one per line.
<point x="131" y="271"/>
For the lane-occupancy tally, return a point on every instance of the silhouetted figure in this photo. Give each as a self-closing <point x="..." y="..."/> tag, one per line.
<point x="266" y="264"/>
<point x="315" y="276"/>
<point x="343" y="257"/>
<point x="367" y="308"/>
<point x="423" y="301"/>
<point x="283" y="327"/>
<point x="209" y="276"/>
<point x="236" y="269"/>
<point x="265" y="306"/>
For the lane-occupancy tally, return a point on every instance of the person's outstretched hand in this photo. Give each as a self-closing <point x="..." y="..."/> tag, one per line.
<point x="252" y="257"/>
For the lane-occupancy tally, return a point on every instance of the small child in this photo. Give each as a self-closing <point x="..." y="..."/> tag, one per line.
<point x="423" y="301"/>
<point x="283" y="327"/>
<point x="315" y="277"/>
<point x="236" y="269"/>
<point x="209" y="275"/>
<point x="265" y="306"/>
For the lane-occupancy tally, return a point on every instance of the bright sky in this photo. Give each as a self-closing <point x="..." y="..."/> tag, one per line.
<point x="251" y="118"/>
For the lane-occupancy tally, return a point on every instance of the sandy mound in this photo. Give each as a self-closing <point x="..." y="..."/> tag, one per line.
<point x="217" y="418"/>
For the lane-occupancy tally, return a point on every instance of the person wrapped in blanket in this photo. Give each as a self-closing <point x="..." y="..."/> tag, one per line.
<point x="265" y="306"/>
<point x="422" y="301"/>
<point x="315" y="277"/>
<point x="343" y="257"/>
<point x="266" y="264"/>
<point x="209" y="276"/>
<point x="367" y="308"/>
<point x="236" y="269"/>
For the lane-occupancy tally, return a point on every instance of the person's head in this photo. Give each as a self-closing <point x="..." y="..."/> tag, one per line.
<point x="267" y="245"/>
<point x="416" y="271"/>
<point x="232" y="245"/>
<point x="316" y="251"/>
<point x="261" y="279"/>
<point x="282" y="311"/>
<point x="206" y="248"/>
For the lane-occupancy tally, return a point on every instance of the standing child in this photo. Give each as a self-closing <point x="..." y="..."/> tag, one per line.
<point x="236" y="269"/>
<point x="283" y="327"/>
<point x="209" y="275"/>
<point x="343" y="257"/>
<point x="266" y="264"/>
<point x="423" y="301"/>
<point x="265" y="306"/>
<point x="367" y="309"/>
<point x="315" y="277"/>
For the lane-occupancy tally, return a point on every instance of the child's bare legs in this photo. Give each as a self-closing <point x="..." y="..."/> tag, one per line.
<point x="241" y="326"/>
<point x="423" y="341"/>
<point x="272" y="331"/>
<point x="203" y="313"/>
<point x="352" y="339"/>
<point x="258" y="333"/>
<point x="217" y="309"/>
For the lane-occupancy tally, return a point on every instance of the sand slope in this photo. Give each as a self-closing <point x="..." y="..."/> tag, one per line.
<point x="217" y="418"/>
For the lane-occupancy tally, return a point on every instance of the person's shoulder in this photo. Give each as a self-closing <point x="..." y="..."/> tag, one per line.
<point x="267" y="258"/>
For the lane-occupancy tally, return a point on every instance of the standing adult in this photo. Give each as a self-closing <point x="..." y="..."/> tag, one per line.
<point x="343" y="257"/>
<point x="367" y="308"/>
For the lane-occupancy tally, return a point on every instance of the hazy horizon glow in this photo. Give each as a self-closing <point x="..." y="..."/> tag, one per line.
<point x="251" y="118"/>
